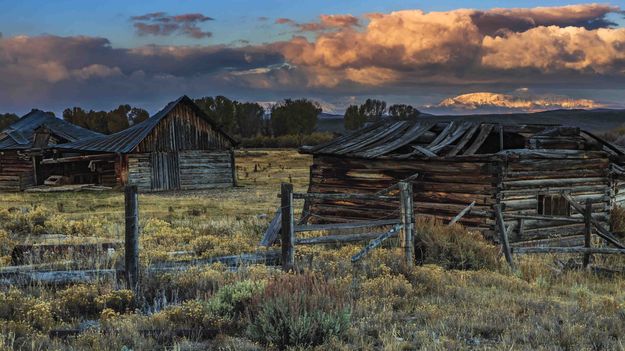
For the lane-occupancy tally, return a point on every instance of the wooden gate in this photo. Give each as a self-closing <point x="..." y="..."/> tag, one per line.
<point x="165" y="171"/>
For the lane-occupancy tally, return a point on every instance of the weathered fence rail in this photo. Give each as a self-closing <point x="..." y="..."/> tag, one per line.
<point x="404" y="223"/>
<point x="591" y="224"/>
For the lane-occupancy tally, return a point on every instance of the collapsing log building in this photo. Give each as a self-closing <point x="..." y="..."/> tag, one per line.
<point x="524" y="168"/>
<point x="24" y="143"/>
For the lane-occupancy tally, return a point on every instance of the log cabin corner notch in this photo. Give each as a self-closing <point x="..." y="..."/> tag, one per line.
<point x="179" y="148"/>
<point x="524" y="168"/>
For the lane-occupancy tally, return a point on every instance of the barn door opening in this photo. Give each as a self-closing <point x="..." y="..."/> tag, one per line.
<point x="165" y="171"/>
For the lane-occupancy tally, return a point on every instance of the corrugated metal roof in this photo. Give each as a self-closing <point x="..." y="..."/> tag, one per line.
<point x="19" y="135"/>
<point x="126" y="140"/>
<point x="423" y="138"/>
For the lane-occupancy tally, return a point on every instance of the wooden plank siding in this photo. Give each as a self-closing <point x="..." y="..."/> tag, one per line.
<point x="182" y="129"/>
<point x="16" y="172"/>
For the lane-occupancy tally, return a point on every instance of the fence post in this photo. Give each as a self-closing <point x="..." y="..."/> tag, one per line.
<point x="587" y="231"/>
<point x="503" y="235"/>
<point x="287" y="231"/>
<point x="131" y="242"/>
<point x="407" y="221"/>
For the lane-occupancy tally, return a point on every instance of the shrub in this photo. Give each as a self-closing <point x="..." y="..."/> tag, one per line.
<point x="300" y="311"/>
<point x="453" y="247"/>
<point x="231" y="300"/>
<point x="26" y="221"/>
<point x="116" y="300"/>
<point x="78" y="301"/>
<point x="21" y="309"/>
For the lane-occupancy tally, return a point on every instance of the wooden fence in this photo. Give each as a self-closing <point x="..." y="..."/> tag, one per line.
<point x="404" y="224"/>
<point x="590" y="225"/>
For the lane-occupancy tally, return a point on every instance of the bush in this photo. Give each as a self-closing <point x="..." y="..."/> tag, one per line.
<point x="453" y="247"/>
<point x="26" y="221"/>
<point x="300" y="311"/>
<point x="78" y="301"/>
<point x="18" y="308"/>
<point x="232" y="300"/>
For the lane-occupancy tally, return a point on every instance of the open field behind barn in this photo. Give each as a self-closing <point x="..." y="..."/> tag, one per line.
<point x="463" y="297"/>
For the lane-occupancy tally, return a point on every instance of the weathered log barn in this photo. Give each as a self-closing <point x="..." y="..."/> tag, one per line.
<point x="524" y="168"/>
<point x="24" y="143"/>
<point x="179" y="148"/>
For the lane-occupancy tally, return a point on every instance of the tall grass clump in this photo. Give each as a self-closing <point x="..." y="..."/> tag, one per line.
<point x="452" y="247"/>
<point x="299" y="311"/>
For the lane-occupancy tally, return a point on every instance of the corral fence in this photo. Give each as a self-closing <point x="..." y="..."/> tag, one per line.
<point x="591" y="226"/>
<point x="403" y="225"/>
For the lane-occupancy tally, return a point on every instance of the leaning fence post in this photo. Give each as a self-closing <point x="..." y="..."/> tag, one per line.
<point x="131" y="242"/>
<point x="587" y="231"/>
<point x="503" y="235"/>
<point x="407" y="221"/>
<point x="287" y="231"/>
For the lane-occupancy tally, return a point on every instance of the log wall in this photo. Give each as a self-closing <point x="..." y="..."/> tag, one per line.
<point x="139" y="171"/>
<point x="523" y="180"/>
<point x="16" y="172"/>
<point x="443" y="190"/>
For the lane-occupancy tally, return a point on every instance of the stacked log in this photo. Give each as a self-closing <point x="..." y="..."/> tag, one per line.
<point x="16" y="172"/>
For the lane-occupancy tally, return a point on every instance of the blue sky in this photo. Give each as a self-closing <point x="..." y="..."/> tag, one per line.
<point x="94" y="54"/>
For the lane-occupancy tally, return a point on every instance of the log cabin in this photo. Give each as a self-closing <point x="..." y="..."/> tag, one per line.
<point x="179" y="148"/>
<point x="524" y="168"/>
<point x="24" y="143"/>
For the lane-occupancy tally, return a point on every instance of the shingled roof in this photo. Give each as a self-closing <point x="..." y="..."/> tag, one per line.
<point x="19" y="135"/>
<point x="423" y="138"/>
<point x="126" y="140"/>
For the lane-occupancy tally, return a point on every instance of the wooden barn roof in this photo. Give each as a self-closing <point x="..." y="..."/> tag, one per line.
<point x="126" y="140"/>
<point x="19" y="135"/>
<point x="420" y="138"/>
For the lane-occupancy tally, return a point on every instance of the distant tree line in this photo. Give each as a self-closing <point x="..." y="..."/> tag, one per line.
<point x="248" y="119"/>
<point x="106" y="122"/>
<point x="373" y="110"/>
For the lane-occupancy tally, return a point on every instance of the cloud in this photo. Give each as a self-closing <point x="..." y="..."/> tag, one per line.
<point x="411" y="53"/>
<point x="464" y="45"/>
<point x="325" y="23"/>
<point x="519" y="100"/>
<point x="161" y="24"/>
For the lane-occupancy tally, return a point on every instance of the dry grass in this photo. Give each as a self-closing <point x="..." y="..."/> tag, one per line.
<point x="463" y="297"/>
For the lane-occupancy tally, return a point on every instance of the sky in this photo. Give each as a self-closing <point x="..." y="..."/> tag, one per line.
<point x="441" y="56"/>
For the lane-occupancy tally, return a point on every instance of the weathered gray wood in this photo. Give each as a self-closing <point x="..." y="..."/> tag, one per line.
<point x="262" y="257"/>
<point x="271" y="234"/>
<point x="568" y="241"/>
<point x="461" y="214"/>
<point x="287" y="229"/>
<point x="337" y="239"/>
<point x="350" y="225"/>
<point x="587" y="232"/>
<point x="601" y="231"/>
<point x="58" y="277"/>
<point x="485" y="130"/>
<point x="407" y="221"/>
<point x="546" y="218"/>
<point x="300" y="196"/>
<point x="132" y="237"/>
<point x="424" y="151"/>
<point x="375" y="243"/>
<point x="503" y="235"/>
<point x="571" y="250"/>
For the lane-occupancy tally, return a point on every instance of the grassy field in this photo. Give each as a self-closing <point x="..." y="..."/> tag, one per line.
<point x="462" y="297"/>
